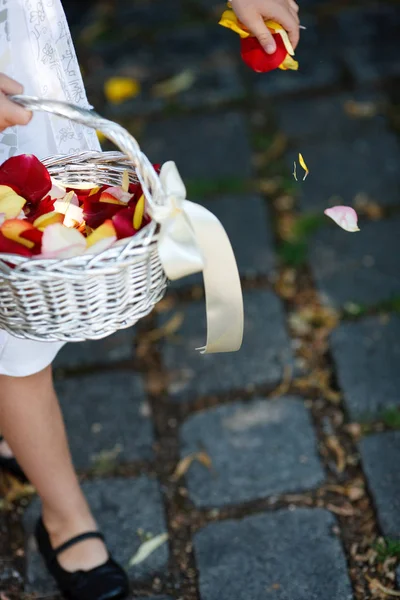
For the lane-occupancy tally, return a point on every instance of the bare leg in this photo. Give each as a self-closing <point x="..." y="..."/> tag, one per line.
<point x="32" y="424"/>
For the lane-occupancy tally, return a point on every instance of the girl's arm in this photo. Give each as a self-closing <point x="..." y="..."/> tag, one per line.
<point x="10" y="113"/>
<point x="253" y="13"/>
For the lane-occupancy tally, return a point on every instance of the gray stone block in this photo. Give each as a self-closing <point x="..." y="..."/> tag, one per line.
<point x="106" y="414"/>
<point x="204" y="147"/>
<point x="113" y="348"/>
<point x="359" y="267"/>
<point x="208" y="55"/>
<point x="368" y="40"/>
<point x="381" y="459"/>
<point x="265" y="352"/>
<point x="318" y="67"/>
<point x="342" y="169"/>
<point x="325" y="117"/>
<point x="121" y="508"/>
<point x="257" y="449"/>
<point x="367" y="357"/>
<point x="240" y="215"/>
<point x="286" y="555"/>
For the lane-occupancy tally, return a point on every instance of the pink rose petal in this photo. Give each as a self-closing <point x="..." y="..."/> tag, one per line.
<point x="118" y="194"/>
<point x="344" y="216"/>
<point x="62" y="242"/>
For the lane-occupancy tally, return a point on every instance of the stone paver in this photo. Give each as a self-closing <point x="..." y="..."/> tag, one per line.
<point x="381" y="458"/>
<point x="318" y="67"/>
<point x="328" y="117"/>
<point x="204" y="54"/>
<point x="204" y="147"/>
<point x="265" y="351"/>
<point x="344" y="169"/>
<point x="367" y="39"/>
<point x="121" y="507"/>
<point x="362" y="267"/>
<point x="257" y="449"/>
<point x="106" y="414"/>
<point x="255" y="254"/>
<point x="113" y="348"/>
<point x="287" y="555"/>
<point x="367" y="355"/>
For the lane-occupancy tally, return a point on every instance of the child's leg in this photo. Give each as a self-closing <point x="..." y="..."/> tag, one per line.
<point x="32" y="424"/>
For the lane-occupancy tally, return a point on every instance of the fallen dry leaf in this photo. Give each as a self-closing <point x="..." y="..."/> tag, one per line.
<point x="342" y="511"/>
<point x="361" y="110"/>
<point x="169" y="328"/>
<point x="147" y="548"/>
<point x="284" y="386"/>
<point x="334" y="445"/>
<point x="374" y="585"/>
<point x="185" y="463"/>
<point x="175" y="85"/>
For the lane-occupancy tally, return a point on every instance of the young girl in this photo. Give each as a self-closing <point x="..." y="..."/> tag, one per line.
<point x="36" y="49"/>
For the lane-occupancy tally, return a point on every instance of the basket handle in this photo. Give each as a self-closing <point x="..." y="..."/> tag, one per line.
<point x="147" y="176"/>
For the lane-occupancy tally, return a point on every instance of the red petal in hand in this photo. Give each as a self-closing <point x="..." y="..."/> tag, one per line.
<point x="12" y="247"/>
<point x="257" y="59"/>
<point x="123" y="223"/>
<point x="28" y="175"/>
<point x="95" y="213"/>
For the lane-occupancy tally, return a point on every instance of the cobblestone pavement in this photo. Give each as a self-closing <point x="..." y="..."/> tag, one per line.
<point x="293" y="488"/>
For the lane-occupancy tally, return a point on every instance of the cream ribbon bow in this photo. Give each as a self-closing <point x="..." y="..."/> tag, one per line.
<point x="192" y="240"/>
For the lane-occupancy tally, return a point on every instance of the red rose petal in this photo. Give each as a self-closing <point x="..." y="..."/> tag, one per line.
<point x="95" y="213"/>
<point x="257" y="59"/>
<point x="11" y="247"/>
<point x="37" y="210"/>
<point x="27" y="175"/>
<point x="123" y="223"/>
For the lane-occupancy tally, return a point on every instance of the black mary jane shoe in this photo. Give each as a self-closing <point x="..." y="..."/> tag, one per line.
<point x="106" y="582"/>
<point x="10" y="466"/>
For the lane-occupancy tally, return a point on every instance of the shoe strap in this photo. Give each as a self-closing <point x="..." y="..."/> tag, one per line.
<point x="77" y="540"/>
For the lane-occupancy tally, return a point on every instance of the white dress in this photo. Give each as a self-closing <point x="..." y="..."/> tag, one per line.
<point x="36" y="49"/>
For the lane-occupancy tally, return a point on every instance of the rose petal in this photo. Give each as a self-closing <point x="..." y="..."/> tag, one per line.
<point x="123" y="223"/>
<point x="257" y="59"/>
<point x="344" y="216"/>
<point x="28" y="175"/>
<point x="10" y="247"/>
<point x="48" y="219"/>
<point x="13" y="230"/>
<point x="230" y="20"/>
<point x="101" y="245"/>
<point x="107" y="230"/>
<point x="115" y="195"/>
<point x="60" y="241"/>
<point x="139" y="213"/>
<point x="303" y="165"/>
<point x="11" y="203"/>
<point x="57" y="191"/>
<point x="44" y="207"/>
<point x="95" y="213"/>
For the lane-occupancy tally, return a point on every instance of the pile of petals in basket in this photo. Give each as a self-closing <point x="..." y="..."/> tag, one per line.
<point x="42" y="218"/>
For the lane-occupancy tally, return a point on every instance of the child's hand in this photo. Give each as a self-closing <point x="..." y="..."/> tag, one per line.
<point x="10" y="113"/>
<point x="253" y="13"/>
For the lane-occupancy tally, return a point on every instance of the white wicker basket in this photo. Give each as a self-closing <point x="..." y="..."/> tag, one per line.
<point x="90" y="296"/>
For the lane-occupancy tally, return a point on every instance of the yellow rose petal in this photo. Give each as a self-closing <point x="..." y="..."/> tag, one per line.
<point x="276" y="28"/>
<point x="303" y="164"/>
<point x="230" y="20"/>
<point x="125" y="181"/>
<point x="119" y="89"/>
<point x="289" y="63"/>
<point x="139" y="212"/>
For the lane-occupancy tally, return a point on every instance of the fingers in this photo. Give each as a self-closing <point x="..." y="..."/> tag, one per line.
<point x="9" y="86"/>
<point x="289" y="19"/>
<point x="11" y="114"/>
<point x="263" y="34"/>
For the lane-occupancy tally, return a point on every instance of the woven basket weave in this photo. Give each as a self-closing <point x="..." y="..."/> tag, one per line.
<point x="89" y="296"/>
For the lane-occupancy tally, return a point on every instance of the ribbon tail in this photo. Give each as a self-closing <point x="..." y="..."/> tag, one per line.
<point x="223" y="291"/>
